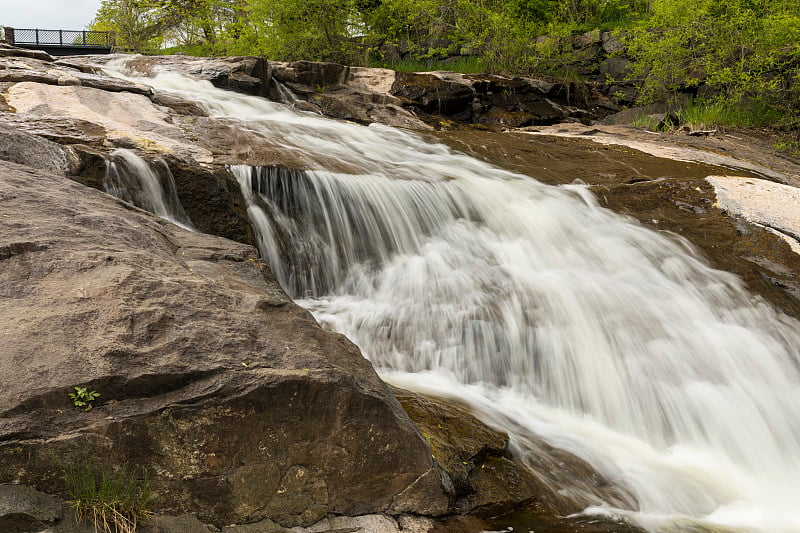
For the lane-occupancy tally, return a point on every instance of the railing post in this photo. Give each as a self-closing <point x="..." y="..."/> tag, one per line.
<point x="61" y="37"/>
<point x="9" y="33"/>
<point x="36" y="31"/>
<point x="84" y="37"/>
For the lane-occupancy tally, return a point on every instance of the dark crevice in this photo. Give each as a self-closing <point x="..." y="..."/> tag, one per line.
<point x="17" y="248"/>
<point x="116" y="388"/>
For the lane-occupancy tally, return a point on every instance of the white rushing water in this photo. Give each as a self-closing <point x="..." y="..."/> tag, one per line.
<point x="548" y="314"/>
<point x="136" y="181"/>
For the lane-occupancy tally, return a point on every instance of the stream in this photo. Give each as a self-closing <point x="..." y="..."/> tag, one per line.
<point x="547" y="314"/>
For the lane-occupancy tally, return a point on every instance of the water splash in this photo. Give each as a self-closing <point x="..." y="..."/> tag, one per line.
<point x="145" y="185"/>
<point x="550" y="315"/>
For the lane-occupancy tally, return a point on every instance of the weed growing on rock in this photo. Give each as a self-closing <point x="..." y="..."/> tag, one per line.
<point x="82" y="398"/>
<point x="114" y="501"/>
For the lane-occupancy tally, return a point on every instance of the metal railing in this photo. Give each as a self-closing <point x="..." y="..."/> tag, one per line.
<point x="62" y="38"/>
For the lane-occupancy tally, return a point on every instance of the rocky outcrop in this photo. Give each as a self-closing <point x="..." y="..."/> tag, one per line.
<point x="368" y="95"/>
<point x="231" y="398"/>
<point x="486" y="479"/>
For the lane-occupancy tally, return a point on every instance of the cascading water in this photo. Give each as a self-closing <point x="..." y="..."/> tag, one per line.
<point x="134" y="180"/>
<point x="550" y="315"/>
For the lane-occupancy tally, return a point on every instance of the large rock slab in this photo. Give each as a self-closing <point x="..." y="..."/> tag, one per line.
<point x="16" y="65"/>
<point x="130" y="119"/>
<point x="227" y="395"/>
<point x="769" y="204"/>
<point x="245" y="74"/>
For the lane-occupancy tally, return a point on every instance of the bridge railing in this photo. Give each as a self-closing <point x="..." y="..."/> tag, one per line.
<point x="65" y="38"/>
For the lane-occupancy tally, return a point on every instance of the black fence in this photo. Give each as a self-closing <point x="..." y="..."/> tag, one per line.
<point x="60" y="38"/>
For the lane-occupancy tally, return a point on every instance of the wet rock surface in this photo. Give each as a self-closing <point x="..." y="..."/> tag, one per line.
<point x="231" y="398"/>
<point x="488" y="483"/>
<point x="668" y="195"/>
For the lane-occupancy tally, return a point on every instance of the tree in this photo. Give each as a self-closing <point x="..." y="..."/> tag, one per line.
<point x="303" y="29"/>
<point x="132" y="23"/>
<point x="746" y="53"/>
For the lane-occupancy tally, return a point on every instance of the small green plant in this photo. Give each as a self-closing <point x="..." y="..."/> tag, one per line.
<point x="114" y="501"/>
<point x="788" y="145"/>
<point x="648" y="122"/>
<point x="82" y="398"/>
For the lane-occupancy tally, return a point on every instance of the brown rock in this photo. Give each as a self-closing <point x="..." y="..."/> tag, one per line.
<point x="486" y="478"/>
<point x="231" y="398"/>
<point x="63" y="130"/>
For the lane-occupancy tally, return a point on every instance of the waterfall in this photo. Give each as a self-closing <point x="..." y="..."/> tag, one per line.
<point x="150" y="187"/>
<point x="549" y="315"/>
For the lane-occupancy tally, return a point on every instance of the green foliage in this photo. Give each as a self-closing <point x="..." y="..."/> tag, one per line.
<point x="324" y="30"/>
<point x="82" y="398"/>
<point x="734" y="57"/>
<point x="115" y="502"/>
<point x="132" y="23"/>
<point x="719" y="114"/>
<point x="745" y="53"/>
<point x="648" y="122"/>
<point x="789" y="144"/>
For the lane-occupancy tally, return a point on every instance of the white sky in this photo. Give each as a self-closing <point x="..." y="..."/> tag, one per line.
<point x="48" y="14"/>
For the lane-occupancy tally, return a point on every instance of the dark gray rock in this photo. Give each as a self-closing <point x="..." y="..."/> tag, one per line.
<point x="24" y="509"/>
<point x="314" y="74"/>
<point x="435" y="95"/>
<point x="19" y="147"/>
<point x="614" y="68"/>
<point x="6" y="50"/>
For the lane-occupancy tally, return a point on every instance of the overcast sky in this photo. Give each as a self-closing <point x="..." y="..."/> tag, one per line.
<point x="48" y="14"/>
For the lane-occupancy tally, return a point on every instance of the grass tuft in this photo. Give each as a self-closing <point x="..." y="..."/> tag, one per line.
<point x="721" y="115"/>
<point x="114" y="501"/>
